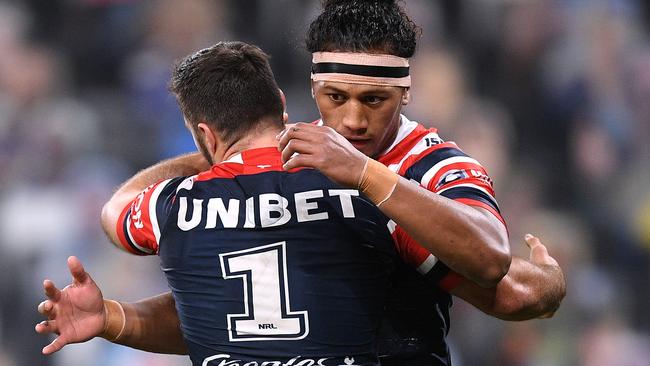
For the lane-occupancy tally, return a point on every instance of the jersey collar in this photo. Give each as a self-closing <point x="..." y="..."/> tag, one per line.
<point x="264" y="158"/>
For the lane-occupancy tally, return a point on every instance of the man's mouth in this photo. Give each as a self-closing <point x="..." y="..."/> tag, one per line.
<point x="359" y="143"/>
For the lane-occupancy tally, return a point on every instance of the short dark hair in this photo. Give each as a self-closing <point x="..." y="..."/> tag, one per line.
<point x="374" y="26"/>
<point x="229" y="86"/>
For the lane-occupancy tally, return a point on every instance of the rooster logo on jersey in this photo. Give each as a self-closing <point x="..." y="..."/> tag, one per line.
<point x="452" y="176"/>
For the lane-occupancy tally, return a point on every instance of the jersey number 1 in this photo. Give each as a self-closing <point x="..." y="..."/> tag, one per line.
<point x="267" y="312"/>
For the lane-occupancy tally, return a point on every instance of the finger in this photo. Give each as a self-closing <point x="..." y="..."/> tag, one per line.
<point x="45" y="307"/>
<point x="281" y="133"/>
<point x="548" y="315"/>
<point x="286" y="135"/>
<point x="77" y="270"/>
<point x="55" y="346"/>
<point x="296" y="146"/>
<point x="46" y="327"/>
<point x="539" y="254"/>
<point x="532" y="241"/>
<point x="298" y="161"/>
<point x="299" y="131"/>
<point x="51" y="291"/>
<point x="286" y="127"/>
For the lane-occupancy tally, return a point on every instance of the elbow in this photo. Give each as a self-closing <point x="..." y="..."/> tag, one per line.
<point x="497" y="267"/>
<point x="491" y="276"/>
<point x="107" y="216"/>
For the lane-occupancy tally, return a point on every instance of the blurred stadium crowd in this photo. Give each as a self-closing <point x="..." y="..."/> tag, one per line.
<point x="552" y="96"/>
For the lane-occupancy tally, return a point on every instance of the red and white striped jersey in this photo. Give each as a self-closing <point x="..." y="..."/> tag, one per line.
<point x="420" y="155"/>
<point x="417" y="316"/>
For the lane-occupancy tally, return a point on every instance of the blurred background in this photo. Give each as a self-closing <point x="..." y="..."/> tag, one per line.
<point x="553" y="97"/>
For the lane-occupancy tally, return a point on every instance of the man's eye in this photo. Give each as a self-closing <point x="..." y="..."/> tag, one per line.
<point x="371" y="99"/>
<point x="336" y="97"/>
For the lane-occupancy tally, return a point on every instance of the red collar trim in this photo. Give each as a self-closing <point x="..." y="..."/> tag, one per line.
<point x="247" y="162"/>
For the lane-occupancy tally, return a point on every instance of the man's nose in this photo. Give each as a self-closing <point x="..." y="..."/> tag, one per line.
<point x="355" y="118"/>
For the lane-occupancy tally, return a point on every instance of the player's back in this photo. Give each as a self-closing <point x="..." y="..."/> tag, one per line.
<point x="272" y="266"/>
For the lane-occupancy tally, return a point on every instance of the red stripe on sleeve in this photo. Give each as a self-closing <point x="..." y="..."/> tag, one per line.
<point x="121" y="235"/>
<point x="450" y="281"/>
<point x="138" y="237"/>
<point x="472" y="202"/>
<point x="141" y="228"/>
<point x="408" y="249"/>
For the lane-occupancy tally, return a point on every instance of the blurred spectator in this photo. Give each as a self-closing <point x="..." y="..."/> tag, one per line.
<point x="172" y="30"/>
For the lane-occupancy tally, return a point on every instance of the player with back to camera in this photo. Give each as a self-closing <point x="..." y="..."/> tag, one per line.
<point x="417" y="313"/>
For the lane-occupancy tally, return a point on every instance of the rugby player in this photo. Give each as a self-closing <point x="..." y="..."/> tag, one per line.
<point x="438" y="196"/>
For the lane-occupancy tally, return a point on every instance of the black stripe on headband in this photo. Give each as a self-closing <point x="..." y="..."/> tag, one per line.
<point x="362" y="70"/>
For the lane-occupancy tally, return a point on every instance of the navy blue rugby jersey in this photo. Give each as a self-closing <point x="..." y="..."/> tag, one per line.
<point x="269" y="267"/>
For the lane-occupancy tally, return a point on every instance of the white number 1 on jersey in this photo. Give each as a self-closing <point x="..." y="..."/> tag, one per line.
<point x="267" y="312"/>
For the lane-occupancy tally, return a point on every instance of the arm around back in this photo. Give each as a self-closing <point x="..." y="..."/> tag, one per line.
<point x="184" y="165"/>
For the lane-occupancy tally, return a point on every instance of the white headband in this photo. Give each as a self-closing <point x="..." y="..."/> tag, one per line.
<point x="361" y="68"/>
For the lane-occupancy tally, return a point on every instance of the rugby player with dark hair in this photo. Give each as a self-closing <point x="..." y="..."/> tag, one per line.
<point x="438" y="196"/>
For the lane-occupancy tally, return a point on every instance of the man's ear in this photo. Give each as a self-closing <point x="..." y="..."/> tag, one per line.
<point x="208" y="137"/>
<point x="285" y="115"/>
<point x="313" y="96"/>
<point x="406" y="96"/>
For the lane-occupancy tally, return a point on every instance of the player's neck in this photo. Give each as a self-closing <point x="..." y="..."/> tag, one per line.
<point x="256" y="139"/>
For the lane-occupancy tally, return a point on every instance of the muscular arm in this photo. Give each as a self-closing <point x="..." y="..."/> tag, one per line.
<point x="469" y="240"/>
<point x="183" y="165"/>
<point x="531" y="289"/>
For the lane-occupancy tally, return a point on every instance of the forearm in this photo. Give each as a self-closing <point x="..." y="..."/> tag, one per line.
<point x="150" y="325"/>
<point x="470" y="241"/>
<point x="184" y="165"/>
<point x="528" y="291"/>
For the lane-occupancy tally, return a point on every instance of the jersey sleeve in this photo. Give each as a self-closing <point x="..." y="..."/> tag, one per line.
<point x="446" y="170"/>
<point x="140" y="224"/>
<point x="422" y="260"/>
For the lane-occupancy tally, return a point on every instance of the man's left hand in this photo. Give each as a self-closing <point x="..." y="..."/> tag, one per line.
<point x="76" y="313"/>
